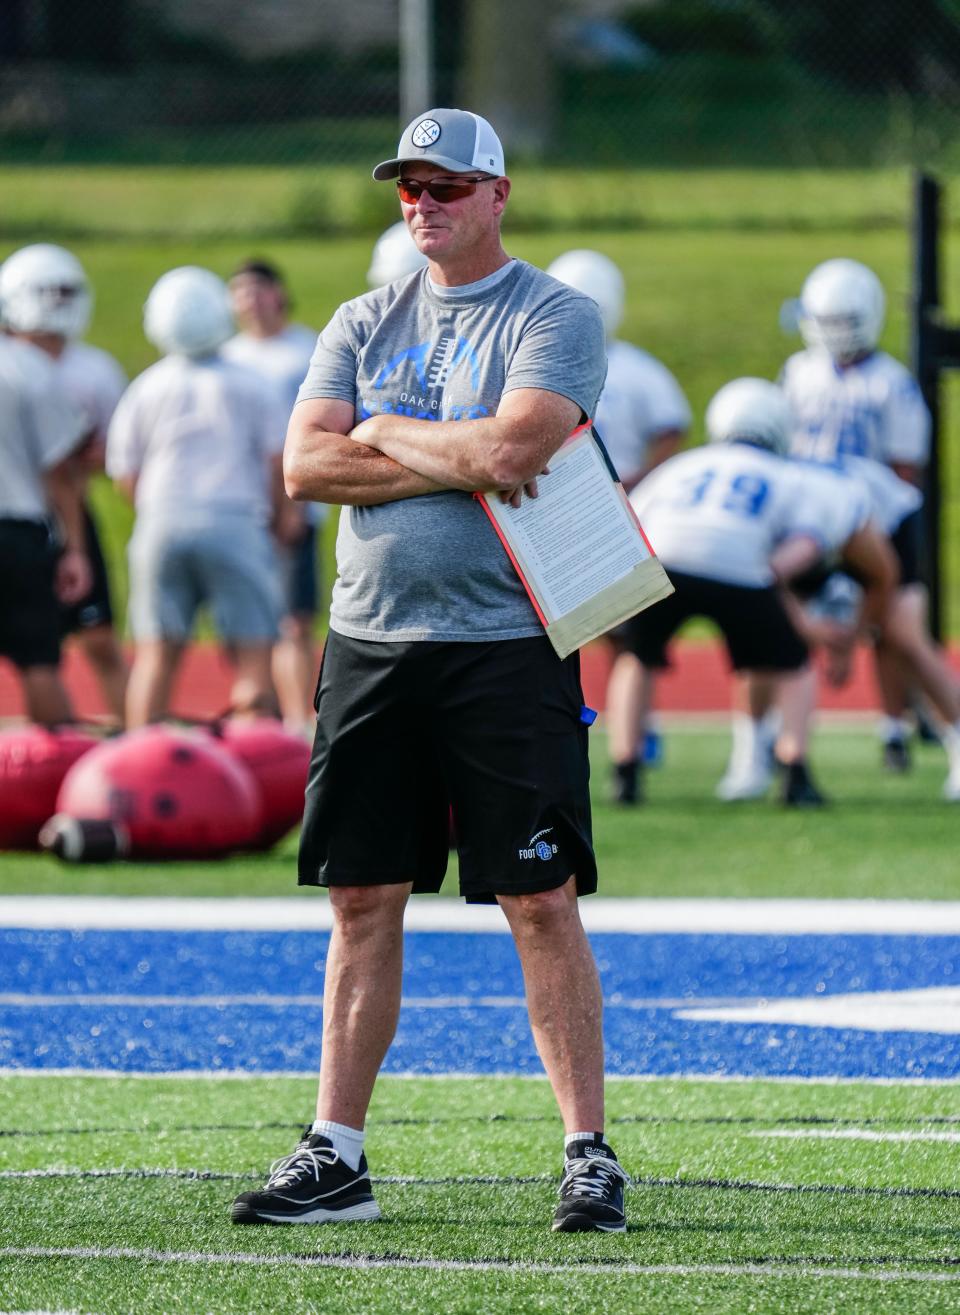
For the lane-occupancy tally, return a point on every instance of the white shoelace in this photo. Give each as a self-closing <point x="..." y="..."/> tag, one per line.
<point x="591" y="1177"/>
<point x="292" y="1168"/>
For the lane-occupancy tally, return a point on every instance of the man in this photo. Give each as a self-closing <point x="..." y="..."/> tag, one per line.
<point x="42" y="542"/>
<point x="849" y="399"/>
<point x="730" y="521"/>
<point x="280" y="351"/>
<point x="47" y="301"/>
<point x="438" y="685"/>
<point x="643" y="418"/>
<point x="196" y="443"/>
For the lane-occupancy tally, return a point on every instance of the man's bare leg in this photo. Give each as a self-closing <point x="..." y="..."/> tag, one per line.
<point x="361" y="997"/>
<point x="629" y="699"/>
<point x="151" y="681"/>
<point x="294" y="669"/>
<point x="45" y="696"/>
<point x="563" y="999"/>
<point x="251" y="692"/>
<point x="103" y="652"/>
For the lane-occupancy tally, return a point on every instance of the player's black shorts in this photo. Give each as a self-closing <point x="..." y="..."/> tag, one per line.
<point x="759" y="634"/>
<point x="405" y="731"/>
<point x="907" y="541"/>
<point x="29" y="611"/>
<point x="300" y="581"/>
<point x="94" y="609"/>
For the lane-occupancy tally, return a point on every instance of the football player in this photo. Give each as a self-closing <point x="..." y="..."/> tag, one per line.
<point x="197" y="443"/>
<point x="731" y="520"/>
<point x="280" y="351"/>
<point x="642" y="417"/>
<point x="45" y="299"/>
<point x="849" y="399"/>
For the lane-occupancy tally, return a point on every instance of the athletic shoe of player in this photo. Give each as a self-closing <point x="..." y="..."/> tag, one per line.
<point x="750" y="782"/>
<point x="652" y="749"/>
<point x="896" y="756"/>
<point x="799" y="790"/>
<point x="627" y="784"/>
<point x="313" y="1185"/>
<point x="951" y="786"/>
<point x="591" y="1190"/>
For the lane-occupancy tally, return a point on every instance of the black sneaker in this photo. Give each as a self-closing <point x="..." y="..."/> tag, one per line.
<point x="896" y="756"/>
<point x="591" y="1190"/>
<point x="311" y="1186"/>
<point x="799" y="790"/>
<point x="627" y="784"/>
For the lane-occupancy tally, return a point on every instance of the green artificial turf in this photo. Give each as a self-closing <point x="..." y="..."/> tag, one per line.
<point x="882" y="837"/>
<point x="479" y="1161"/>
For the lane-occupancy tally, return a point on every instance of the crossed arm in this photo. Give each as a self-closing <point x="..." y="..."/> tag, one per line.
<point x="389" y="457"/>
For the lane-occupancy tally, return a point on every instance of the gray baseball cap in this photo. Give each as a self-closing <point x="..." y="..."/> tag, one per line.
<point x="457" y="140"/>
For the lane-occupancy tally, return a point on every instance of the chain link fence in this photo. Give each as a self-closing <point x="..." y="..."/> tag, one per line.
<point x="658" y="83"/>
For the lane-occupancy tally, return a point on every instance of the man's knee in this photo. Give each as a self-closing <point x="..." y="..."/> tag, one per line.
<point x="541" y="910"/>
<point x="356" y="907"/>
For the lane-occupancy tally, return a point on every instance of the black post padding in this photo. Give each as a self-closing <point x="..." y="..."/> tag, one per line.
<point x="931" y="347"/>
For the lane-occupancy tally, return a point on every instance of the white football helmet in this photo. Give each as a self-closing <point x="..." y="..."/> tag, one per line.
<point x="188" y="312"/>
<point x="597" y="277"/>
<point x="43" y="289"/>
<point x="395" y="255"/>
<point x="750" y="411"/>
<point x="842" y="308"/>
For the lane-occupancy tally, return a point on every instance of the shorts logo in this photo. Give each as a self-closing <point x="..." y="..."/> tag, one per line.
<point x="426" y="132"/>
<point x="539" y="848"/>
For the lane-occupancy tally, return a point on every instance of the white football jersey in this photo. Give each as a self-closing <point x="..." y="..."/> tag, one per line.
<point x="283" y="359"/>
<point x="829" y="505"/>
<point x="93" y="381"/>
<point x="640" y="399"/>
<point x="199" y="436"/>
<point x="719" y="511"/>
<point x="871" y="409"/>
<point x="38" y="428"/>
<point x="892" y="499"/>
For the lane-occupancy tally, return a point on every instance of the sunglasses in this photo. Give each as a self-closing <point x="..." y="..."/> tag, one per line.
<point x="411" y="189"/>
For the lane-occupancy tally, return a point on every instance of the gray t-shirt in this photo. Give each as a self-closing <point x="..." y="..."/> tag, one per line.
<point x="432" y="567"/>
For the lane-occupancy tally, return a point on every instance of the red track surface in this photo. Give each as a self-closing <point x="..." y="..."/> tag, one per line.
<point x="698" y="682"/>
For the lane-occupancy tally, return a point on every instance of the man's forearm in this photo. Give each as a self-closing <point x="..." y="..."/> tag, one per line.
<point x="63" y="491"/>
<point x="325" y="467"/>
<point x="482" y="454"/>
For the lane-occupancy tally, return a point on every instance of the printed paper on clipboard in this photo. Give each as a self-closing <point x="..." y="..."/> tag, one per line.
<point x="578" y="547"/>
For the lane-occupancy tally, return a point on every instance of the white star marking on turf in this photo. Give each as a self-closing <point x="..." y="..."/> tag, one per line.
<point x="928" y="1009"/>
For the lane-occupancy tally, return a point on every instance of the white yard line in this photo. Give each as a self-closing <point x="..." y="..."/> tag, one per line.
<point x="856" y="1134"/>
<point x="246" y="1075"/>
<point x="146" y="1255"/>
<point x="25" y="1000"/>
<point x="784" y="917"/>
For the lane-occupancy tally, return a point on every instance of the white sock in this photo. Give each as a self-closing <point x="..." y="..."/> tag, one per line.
<point x="579" y="1136"/>
<point x="347" y="1142"/>
<point x="951" y="743"/>
<point x="893" y="728"/>
<point x="746" y="752"/>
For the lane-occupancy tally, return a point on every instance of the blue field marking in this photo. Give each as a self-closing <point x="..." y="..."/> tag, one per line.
<point x="171" y="1002"/>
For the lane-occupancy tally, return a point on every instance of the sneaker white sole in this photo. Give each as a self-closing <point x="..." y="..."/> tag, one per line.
<point x="365" y="1210"/>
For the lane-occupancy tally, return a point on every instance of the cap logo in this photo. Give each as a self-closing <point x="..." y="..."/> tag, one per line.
<point x="426" y="132"/>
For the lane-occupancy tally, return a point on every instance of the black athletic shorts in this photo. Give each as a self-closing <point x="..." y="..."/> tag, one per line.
<point x="907" y="540"/>
<point x="760" y="635"/>
<point x="405" y="731"/>
<point x="94" y="609"/>
<point x="300" y="578"/>
<point x="29" y="610"/>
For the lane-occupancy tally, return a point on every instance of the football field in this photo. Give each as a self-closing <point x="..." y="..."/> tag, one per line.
<point x="782" y="1090"/>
